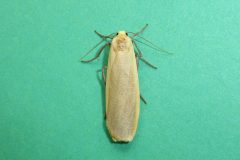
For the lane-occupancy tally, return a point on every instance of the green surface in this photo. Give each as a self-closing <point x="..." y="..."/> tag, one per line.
<point x="51" y="105"/>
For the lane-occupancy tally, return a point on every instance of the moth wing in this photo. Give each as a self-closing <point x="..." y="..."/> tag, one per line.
<point x="122" y="95"/>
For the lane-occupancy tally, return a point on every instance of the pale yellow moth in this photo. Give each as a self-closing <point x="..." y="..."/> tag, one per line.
<point x="122" y="84"/>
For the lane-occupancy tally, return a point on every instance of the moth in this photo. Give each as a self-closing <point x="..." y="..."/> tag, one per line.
<point x="122" y="83"/>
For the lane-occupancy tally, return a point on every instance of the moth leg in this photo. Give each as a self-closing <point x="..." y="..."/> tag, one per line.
<point x="100" y="35"/>
<point x="104" y="82"/>
<point x="141" y="31"/>
<point x="137" y="60"/>
<point x="143" y="99"/>
<point x="140" y="56"/>
<point x="97" y="55"/>
<point x="103" y="74"/>
<point x="103" y="36"/>
<point x="145" y="61"/>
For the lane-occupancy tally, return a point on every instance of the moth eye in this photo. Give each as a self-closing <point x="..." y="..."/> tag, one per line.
<point x="126" y="33"/>
<point x="117" y="33"/>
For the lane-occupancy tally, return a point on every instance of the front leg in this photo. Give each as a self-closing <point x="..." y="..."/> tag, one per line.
<point x="97" y="55"/>
<point x="140" y="56"/>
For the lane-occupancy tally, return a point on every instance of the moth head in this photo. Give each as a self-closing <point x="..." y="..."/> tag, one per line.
<point x="121" y="42"/>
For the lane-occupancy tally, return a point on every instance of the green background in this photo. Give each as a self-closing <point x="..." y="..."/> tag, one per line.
<point x="52" y="106"/>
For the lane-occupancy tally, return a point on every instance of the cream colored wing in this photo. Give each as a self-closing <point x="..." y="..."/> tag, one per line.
<point x="122" y="95"/>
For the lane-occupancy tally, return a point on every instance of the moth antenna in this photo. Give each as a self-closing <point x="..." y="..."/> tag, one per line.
<point x="92" y="49"/>
<point x="155" y="47"/>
